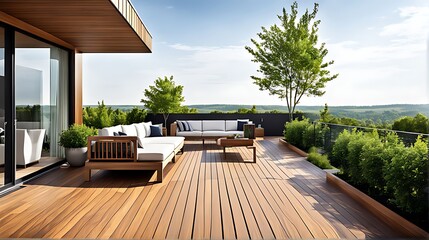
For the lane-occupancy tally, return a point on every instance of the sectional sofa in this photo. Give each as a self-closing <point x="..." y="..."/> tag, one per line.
<point x="138" y="150"/>
<point x="207" y="129"/>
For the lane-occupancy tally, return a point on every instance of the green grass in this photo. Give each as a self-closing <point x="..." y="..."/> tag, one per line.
<point x="318" y="159"/>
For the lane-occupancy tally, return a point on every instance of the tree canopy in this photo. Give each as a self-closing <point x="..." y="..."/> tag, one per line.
<point x="291" y="60"/>
<point x="164" y="97"/>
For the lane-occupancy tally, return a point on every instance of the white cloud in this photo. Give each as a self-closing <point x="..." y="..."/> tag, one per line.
<point x="414" y="27"/>
<point x="391" y="70"/>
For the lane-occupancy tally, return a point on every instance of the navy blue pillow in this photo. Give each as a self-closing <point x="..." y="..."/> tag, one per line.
<point x="155" y="131"/>
<point x="240" y="125"/>
<point x="121" y="134"/>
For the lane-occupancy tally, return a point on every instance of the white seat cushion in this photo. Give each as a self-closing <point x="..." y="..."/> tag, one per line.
<point x="216" y="134"/>
<point x="130" y="130"/>
<point x="176" y="141"/>
<point x="213" y="125"/>
<point x="196" y="125"/>
<point x="190" y="134"/>
<point x="108" y="131"/>
<point x="155" y="152"/>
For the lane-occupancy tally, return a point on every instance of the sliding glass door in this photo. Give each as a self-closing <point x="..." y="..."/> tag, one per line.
<point x="41" y="99"/>
<point x="34" y="105"/>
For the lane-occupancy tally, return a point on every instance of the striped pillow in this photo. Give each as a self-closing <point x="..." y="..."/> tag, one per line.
<point x="184" y="126"/>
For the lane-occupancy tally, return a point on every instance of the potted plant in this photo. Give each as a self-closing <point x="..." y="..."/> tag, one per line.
<point x="74" y="140"/>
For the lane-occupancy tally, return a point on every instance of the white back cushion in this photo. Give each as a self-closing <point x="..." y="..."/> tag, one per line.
<point x="147" y="127"/>
<point x="231" y="125"/>
<point x="141" y="130"/>
<point x="213" y="125"/>
<point x="130" y="130"/>
<point x="108" y="131"/>
<point x="196" y="125"/>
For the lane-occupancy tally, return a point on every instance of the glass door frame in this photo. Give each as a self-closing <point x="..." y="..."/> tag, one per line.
<point x="10" y="106"/>
<point x="10" y="113"/>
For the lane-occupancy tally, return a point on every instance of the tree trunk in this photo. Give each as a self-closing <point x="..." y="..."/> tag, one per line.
<point x="165" y="115"/>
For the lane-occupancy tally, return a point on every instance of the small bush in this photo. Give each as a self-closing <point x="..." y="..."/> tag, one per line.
<point x="293" y="132"/>
<point x="340" y="150"/>
<point x="407" y="176"/>
<point x="354" y="149"/>
<point x="318" y="159"/>
<point x="136" y="115"/>
<point x="372" y="163"/>
<point x="313" y="136"/>
<point x="76" y="136"/>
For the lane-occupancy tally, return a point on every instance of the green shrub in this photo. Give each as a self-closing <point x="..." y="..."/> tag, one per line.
<point x="340" y="150"/>
<point x="136" y="115"/>
<point x="372" y="163"/>
<point x="318" y="159"/>
<point x="118" y="117"/>
<point x="294" y="130"/>
<point x="313" y="136"/>
<point x="407" y="176"/>
<point x="354" y="151"/>
<point x="76" y="136"/>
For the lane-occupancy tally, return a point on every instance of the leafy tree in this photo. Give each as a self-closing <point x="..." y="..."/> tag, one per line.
<point x="419" y="124"/>
<point x="164" y="97"/>
<point x="186" y="109"/>
<point x="291" y="60"/>
<point x="247" y="111"/>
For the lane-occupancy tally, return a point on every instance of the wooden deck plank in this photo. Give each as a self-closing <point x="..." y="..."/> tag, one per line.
<point x="216" y="221"/>
<point x="203" y="195"/>
<point x="253" y="227"/>
<point x="227" y="221"/>
<point x="189" y="213"/>
<point x="177" y="218"/>
<point x="198" y="226"/>
<point x="164" y="214"/>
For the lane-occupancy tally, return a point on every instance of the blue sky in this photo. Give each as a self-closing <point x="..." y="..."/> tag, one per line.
<point x="380" y="49"/>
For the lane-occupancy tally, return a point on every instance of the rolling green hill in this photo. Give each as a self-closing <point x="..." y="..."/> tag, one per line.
<point x="383" y="113"/>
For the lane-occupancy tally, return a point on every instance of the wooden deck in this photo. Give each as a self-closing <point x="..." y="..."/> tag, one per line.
<point x="202" y="196"/>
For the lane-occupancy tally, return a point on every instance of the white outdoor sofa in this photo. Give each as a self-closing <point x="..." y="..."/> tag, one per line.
<point x="207" y="129"/>
<point x="135" y="151"/>
<point x="28" y="147"/>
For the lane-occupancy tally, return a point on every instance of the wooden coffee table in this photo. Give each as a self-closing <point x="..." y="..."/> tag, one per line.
<point x="237" y="142"/>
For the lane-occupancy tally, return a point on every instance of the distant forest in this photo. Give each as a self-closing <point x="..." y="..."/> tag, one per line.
<point x="376" y="113"/>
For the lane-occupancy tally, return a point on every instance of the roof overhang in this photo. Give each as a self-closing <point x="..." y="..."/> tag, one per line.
<point x="90" y="26"/>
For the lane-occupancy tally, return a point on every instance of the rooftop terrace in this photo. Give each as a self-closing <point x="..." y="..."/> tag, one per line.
<point x="202" y="196"/>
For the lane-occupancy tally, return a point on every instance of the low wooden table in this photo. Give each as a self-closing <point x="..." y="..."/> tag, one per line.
<point x="237" y="142"/>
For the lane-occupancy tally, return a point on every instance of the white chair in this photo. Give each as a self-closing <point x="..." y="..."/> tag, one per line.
<point x="28" y="146"/>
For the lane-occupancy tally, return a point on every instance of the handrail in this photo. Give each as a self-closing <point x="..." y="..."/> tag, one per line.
<point x="369" y="128"/>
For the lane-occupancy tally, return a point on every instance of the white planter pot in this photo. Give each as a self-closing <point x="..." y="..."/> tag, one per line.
<point x="76" y="157"/>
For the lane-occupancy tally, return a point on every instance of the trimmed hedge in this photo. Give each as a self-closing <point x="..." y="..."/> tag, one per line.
<point x="387" y="166"/>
